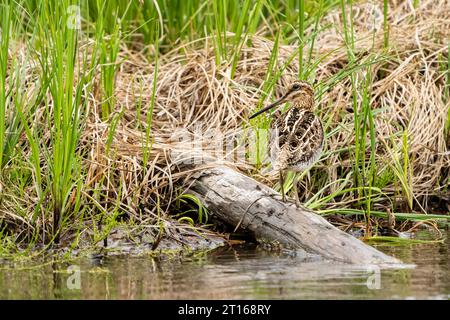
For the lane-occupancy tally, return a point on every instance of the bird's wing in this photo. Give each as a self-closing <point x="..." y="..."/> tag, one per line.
<point x="300" y="136"/>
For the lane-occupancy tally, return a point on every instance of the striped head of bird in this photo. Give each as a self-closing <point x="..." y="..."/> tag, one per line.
<point x="300" y="94"/>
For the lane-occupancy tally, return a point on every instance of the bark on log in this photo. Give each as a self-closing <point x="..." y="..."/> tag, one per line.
<point x="241" y="201"/>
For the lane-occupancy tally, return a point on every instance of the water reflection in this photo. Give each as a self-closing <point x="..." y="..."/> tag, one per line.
<point x="243" y="272"/>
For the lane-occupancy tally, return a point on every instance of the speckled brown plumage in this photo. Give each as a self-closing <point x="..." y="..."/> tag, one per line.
<point x="296" y="137"/>
<point x="296" y="140"/>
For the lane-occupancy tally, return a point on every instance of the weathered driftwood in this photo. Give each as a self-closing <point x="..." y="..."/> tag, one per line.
<point x="241" y="201"/>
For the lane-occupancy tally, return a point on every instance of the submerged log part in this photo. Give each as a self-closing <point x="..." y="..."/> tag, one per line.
<point x="243" y="202"/>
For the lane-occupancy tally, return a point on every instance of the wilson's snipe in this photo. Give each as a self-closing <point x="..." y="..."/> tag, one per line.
<point x="296" y="137"/>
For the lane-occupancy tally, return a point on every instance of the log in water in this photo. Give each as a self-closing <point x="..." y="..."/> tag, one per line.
<point x="241" y="201"/>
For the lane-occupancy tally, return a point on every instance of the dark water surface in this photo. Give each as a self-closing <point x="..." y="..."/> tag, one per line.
<point x="240" y="272"/>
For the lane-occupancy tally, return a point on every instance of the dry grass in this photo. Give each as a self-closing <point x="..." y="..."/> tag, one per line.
<point x="409" y="86"/>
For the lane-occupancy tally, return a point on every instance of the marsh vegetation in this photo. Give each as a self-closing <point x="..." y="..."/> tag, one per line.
<point x="95" y="96"/>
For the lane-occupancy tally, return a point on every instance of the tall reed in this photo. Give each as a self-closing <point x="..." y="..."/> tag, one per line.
<point x="6" y="13"/>
<point x="66" y="78"/>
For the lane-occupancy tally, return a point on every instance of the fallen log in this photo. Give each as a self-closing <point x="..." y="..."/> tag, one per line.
<point x="243" y="202"/>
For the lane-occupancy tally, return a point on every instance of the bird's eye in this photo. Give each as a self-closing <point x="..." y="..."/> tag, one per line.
<point x="296" y="86"/>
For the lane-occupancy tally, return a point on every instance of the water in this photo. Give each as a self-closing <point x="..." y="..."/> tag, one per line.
<point x="239" y="272"/>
